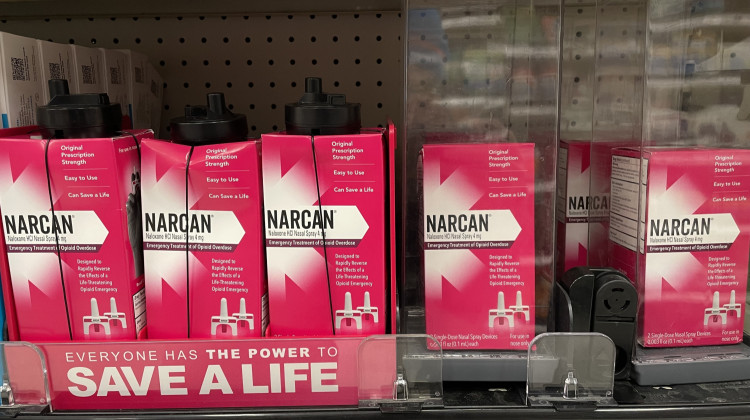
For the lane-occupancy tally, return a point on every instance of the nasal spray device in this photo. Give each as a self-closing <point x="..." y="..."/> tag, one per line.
<point x="324" y="195"/>
<point x="72" y="217"/>
<point x="203" y="231"/>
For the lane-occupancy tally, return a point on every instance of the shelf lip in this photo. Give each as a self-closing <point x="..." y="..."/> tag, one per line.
<point x="166" y="8"/>
<point x="735" y="411"/>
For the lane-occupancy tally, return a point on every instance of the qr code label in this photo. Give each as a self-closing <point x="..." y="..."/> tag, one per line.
<point x="138" y="75"/>
<point x="20" y="70"/>
<point x="87" y="73"/>
<point x="55" y="71"/>
<point x="115" y="77"/>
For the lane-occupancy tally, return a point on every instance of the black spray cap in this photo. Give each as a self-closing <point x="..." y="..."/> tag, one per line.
<point x="209" y="124"/>
<point x="85" y="115"/>
<point x="319" y="113"/>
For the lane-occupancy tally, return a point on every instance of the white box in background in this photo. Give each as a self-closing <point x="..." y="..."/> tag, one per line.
<point x="88" y="69"/>
<point x="57" y="63"/>
<point x="156" y="97"/>
<point x="20" y="80"/>
<point x="139" y="108"/>
<point x="117" y="82"/>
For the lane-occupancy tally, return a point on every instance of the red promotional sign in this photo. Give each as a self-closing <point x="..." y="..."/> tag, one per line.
<point x="200" y="374"/>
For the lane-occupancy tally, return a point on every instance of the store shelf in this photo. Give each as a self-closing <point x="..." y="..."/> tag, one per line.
<point x="94" y="8"/>
<point x="491" y="401"/>
<point x="259" y="52"/>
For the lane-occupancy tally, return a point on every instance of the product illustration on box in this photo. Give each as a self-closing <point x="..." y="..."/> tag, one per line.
<point x="223" y="323"/>
<point x="504" y="316"/>
<point x="95" y="323"/>
<point x="95" y="320"/>
<point x="715" y="312"/>
<point x="244" y="319"/>
<point x="365" y="313"/>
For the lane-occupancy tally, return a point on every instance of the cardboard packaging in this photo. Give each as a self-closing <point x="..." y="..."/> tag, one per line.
<point x="582" y="210"/>
<point x="70" y="224"/>
<point x="139" y="108"/>
<point x="326" y="211"/>
<point x="155" y="97"/>
<point x="601" y="182"/>
<point x="70" y="204"/>
<point x="203" y="228"/>
<point x="574" y="203"/>
<point x="688" y="255"/>
<point x="478" y="244"/>
<point x="89" y="70"/>
<point x="21" y="90"/>
<point x="117" y="81"/>
<point x="57" y="62"/>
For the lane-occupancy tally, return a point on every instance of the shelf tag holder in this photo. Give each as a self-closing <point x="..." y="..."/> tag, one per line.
<point x="400" y="374"/>
<point x="25" y="386"/>
<point x="571" y="371"/>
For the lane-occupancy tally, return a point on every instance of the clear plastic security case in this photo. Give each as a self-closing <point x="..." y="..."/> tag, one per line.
<point x="662" y="75"/>
<point x="481" y="72"/>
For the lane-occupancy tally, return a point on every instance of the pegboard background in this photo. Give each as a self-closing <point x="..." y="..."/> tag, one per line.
<point x="258" y="60"/>
<point x="577" y="71"/>
<point x="601" y="75"/>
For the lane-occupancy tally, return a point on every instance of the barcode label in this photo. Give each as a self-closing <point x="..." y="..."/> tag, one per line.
<point x="20" y="69"/>
<point x="55" y="71"/>
<point x="138" y="75"/>
<point x="115" y="76"/>
<point x="88" y="75"/>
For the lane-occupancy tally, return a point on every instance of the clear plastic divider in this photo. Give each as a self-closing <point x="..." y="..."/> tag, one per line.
<point x="401" y="373"/>
<point x="571" y="368"/>
<point x="24" y="388"/>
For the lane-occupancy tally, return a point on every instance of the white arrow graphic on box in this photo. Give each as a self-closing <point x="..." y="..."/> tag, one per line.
<point x="88" y="228"/>
<point x="225" y="228"/>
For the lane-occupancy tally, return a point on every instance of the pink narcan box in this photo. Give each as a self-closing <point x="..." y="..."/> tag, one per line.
<point x="212" y="283"/>
<point x="478" y="244"/>
<point x="583" y="184"/>
<point x="71" y="224"/>
<point x="333" y="185"/>
<point x="574" y="203"/>
<point x="688" y="255"/>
